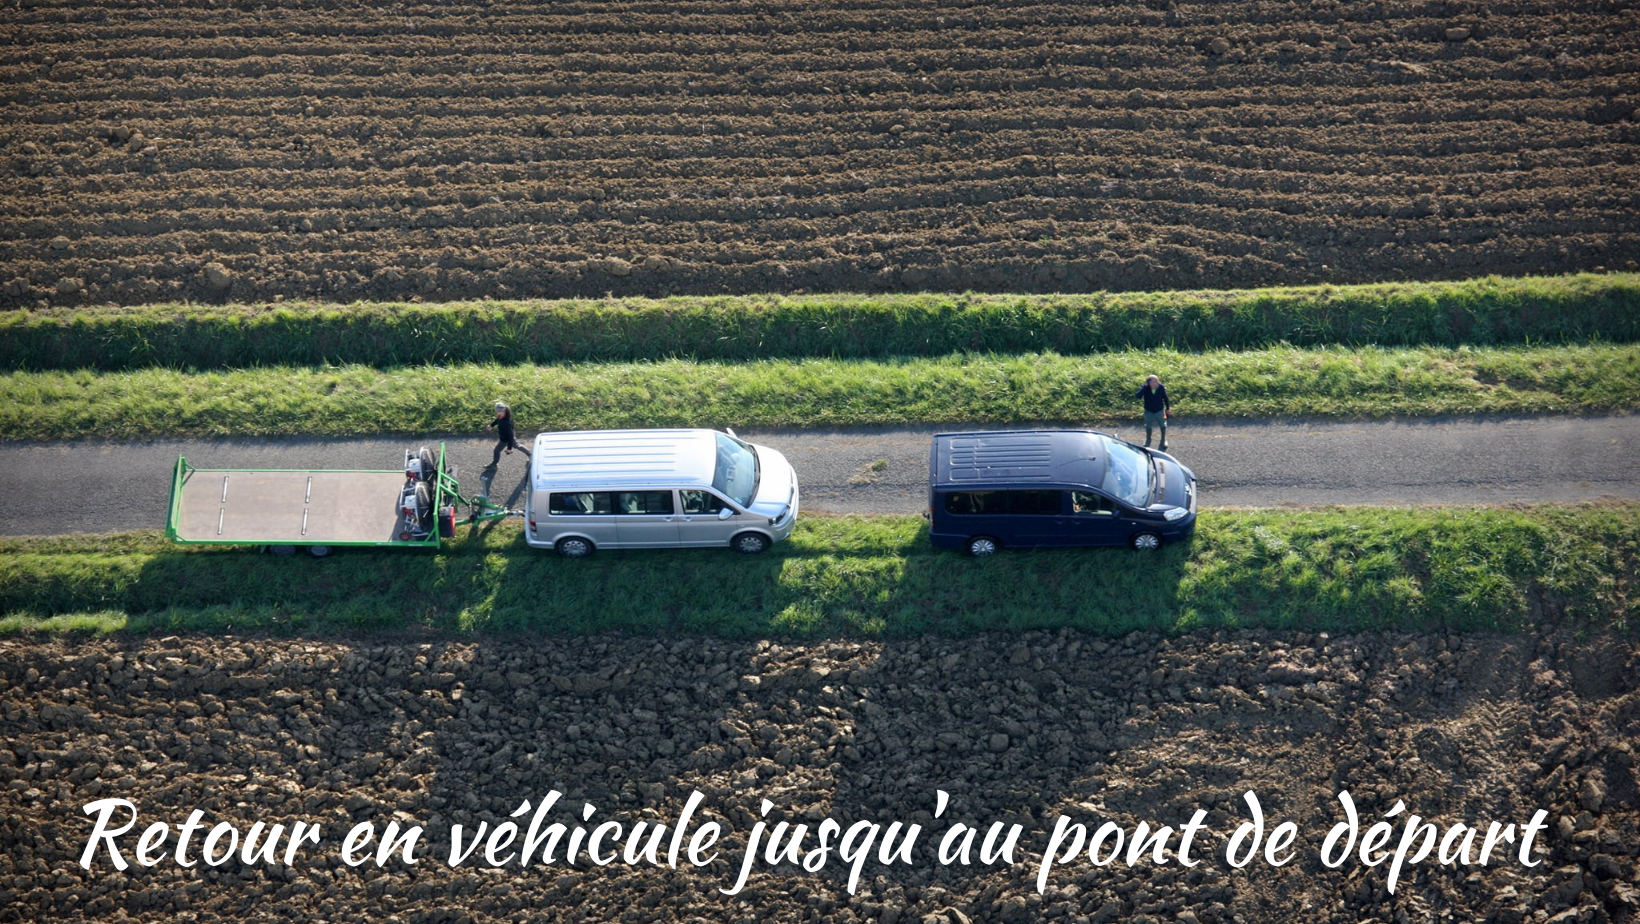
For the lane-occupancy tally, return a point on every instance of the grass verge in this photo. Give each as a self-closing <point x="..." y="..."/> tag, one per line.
<point x="1489" y="311"/>
<point x="1281" y="381"/>
<point x="1339" y="569"/>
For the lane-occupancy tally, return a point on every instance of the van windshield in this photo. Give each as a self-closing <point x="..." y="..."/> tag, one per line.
<point x="1127" y="474"/>
<point x="736" y="474"/>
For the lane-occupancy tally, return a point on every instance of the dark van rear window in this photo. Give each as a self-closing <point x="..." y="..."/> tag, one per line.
<point x="995" y="502"/>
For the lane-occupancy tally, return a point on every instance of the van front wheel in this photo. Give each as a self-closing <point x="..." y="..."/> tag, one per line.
<point x="981" y="546"/>
<point x="751" y="543"/>
<point x="574" y="547"/>
<point x="1146" y="542"/>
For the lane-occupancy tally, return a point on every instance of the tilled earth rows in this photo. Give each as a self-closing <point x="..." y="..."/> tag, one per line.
<point x="240" y="150"/>
<point x="1015" y="728"/>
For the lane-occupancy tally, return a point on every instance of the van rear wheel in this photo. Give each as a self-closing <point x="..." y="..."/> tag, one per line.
<point x="751" y="543"/>
<point x="574" y="547"/>
<point x="981" y="546"/>
<point x="1146" y="542"/>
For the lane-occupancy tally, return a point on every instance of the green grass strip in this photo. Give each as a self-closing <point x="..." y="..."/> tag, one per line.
<point x="953" y="389"/>
<point x="1480" y="312"/>
<point x="1343" y="569"/>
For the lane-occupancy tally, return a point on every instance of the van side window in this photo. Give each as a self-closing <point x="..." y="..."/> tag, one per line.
<point x="643" y="502"/>
<point x="581" y="503"/>
<point x="701" y="502"/>
<point x="995" y="502"/>
<point x="1036" y="502"/>
<point x="976" y="502"/>
<point x="1087" y="502"/>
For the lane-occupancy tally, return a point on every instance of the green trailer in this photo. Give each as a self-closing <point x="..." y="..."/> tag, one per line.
<point x="415" y="506"/>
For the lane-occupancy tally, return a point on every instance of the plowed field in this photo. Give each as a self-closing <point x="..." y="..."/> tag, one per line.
<point x="245" y="150"/>
<point x="1018" y="729"/>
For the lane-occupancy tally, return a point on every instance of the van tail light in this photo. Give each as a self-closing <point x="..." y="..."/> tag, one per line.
<point x="532" y="524"/>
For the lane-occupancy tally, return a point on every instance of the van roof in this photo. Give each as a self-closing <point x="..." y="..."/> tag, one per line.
<point x="620" y="458"/>
<point x="1047" y="456"/>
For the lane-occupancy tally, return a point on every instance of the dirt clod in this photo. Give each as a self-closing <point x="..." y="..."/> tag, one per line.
<point x="217" y="276"/>
<point x="614" y="266"/>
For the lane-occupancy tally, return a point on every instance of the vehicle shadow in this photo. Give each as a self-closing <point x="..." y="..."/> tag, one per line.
<point x="842" y="578"/>
<point x="871" y="585"/>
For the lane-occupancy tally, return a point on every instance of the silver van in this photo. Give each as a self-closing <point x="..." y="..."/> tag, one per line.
<point x="639" y="489"/>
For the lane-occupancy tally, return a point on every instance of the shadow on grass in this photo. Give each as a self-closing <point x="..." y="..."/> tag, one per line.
<point x="1339" y="570"/>
<point x="888" y="584"/>
<point x="844" y="579"/>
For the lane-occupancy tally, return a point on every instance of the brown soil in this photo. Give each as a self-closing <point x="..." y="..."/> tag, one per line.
<point x="232" y="149"/>
<point x="1016" y="728"/>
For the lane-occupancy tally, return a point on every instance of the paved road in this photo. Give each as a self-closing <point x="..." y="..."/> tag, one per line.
<point x="92" y="486"/>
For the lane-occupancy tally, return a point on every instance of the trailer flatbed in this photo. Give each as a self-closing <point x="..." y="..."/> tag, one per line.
<point x="290" y="507"/>
<point x="414" y="505"/>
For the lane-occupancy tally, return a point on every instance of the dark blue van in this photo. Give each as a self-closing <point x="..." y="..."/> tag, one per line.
<point x="1022" y="488"/>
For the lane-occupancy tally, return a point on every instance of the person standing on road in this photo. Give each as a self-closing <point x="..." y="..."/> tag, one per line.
<point x="508" y="437"/>
<point x="1154" y="394"/>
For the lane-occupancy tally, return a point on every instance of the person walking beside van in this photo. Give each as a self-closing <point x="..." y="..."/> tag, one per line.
<point x="1154" y="394"/>
<point x="508" y="436"/>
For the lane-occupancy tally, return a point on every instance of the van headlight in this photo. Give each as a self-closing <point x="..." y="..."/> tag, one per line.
<point x="1174" y="513"/>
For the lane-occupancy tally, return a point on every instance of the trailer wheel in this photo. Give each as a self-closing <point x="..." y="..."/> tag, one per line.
<point x="574" y="547"/>
<point x="318" y="551"/>
<point x="282" y="549"/>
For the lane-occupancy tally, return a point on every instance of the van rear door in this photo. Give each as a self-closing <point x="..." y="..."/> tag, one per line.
<point x="1014" y="517"/>
<point x="578" y="513"/>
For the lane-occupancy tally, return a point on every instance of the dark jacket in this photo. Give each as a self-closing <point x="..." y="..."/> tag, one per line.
<point x="505" y="423"/>
<point x="1154" y="400"/>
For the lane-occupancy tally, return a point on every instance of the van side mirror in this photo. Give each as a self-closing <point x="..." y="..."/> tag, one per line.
<point x="726" y="513"/>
